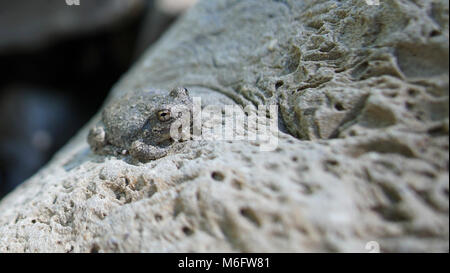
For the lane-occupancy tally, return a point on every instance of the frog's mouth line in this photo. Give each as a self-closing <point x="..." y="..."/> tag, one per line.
<point x="164" y="140"/>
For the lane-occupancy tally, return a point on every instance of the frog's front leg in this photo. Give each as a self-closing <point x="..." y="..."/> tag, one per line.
<point x="144" y="152"/>
<point x="97" y="138"/>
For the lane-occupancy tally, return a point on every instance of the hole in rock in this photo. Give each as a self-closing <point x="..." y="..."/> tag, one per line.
<point x="218" y="176"/>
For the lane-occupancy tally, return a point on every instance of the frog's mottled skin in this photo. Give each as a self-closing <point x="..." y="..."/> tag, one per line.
<point x="139" y="123"/>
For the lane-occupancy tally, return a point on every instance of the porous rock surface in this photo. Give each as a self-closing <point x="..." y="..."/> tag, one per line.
<point x="362" y="153"/>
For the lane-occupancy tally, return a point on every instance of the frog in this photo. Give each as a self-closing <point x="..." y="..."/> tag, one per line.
<point x="138" y="124"/>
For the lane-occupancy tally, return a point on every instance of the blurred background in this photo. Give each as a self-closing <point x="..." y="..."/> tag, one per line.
<point x="58" y="63"/>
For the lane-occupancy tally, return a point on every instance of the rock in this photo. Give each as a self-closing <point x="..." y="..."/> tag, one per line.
<point x="363" y="95"/>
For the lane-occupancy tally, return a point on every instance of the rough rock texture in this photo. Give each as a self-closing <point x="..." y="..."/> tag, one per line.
<point x="362" y="155"/>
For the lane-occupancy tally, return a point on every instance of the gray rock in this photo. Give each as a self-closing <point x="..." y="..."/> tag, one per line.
<point x="363" y="94"/>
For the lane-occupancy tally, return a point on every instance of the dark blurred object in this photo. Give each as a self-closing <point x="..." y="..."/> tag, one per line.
<point x="34" y="123"/>
<point x="28" y="25"/>
<point x="49" y="42"/>
<point x="160" y="14"/>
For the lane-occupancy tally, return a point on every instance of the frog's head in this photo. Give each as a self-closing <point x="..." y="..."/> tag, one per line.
<point x="174" y="109"/>
<point x="145" y="116"/>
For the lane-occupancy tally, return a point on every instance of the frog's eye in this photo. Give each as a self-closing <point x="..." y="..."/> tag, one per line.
<point x="163" y="115"/>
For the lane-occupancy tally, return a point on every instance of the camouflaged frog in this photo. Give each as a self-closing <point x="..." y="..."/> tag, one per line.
<point x="139" y="123"/>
